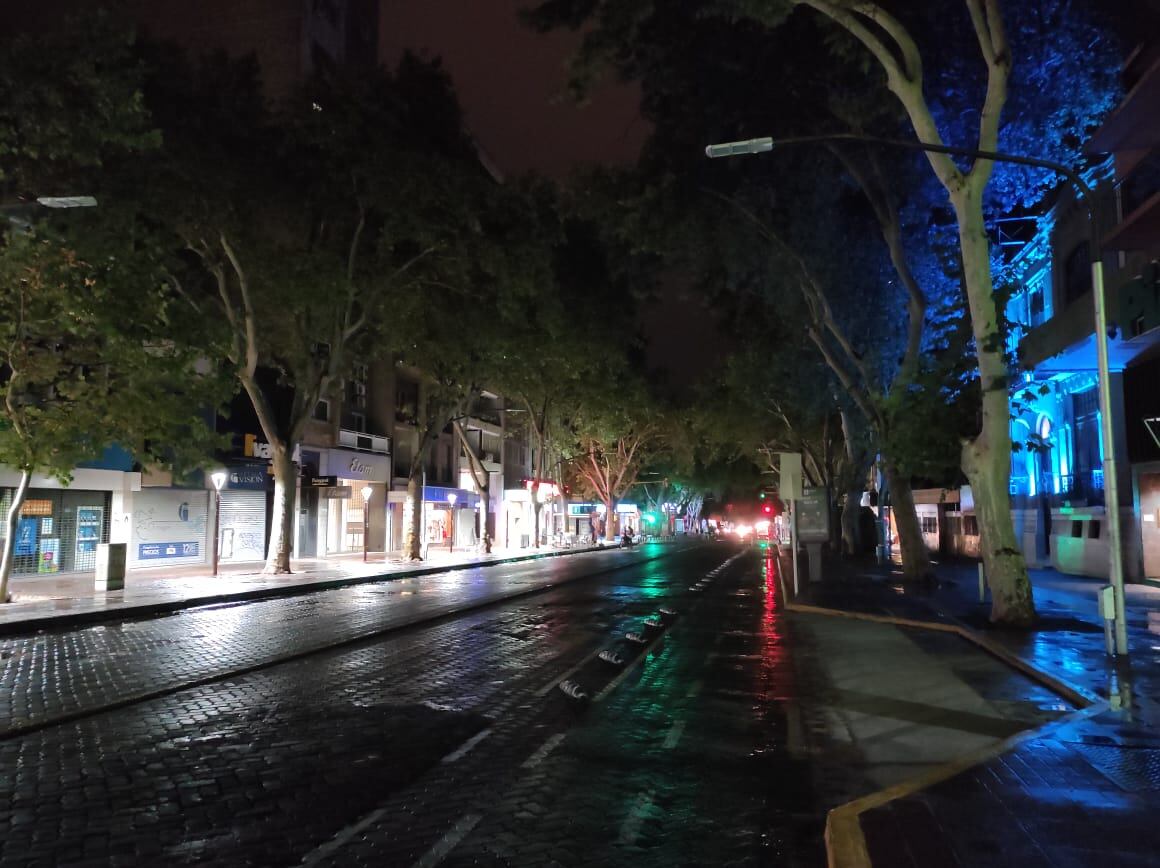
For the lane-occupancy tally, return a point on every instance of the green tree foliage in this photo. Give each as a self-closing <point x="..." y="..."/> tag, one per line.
<point x="94" y="349"/>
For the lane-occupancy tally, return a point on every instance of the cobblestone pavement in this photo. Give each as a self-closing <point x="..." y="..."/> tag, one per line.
<point x="53" y="674"/>
<point x="450" y="743"/>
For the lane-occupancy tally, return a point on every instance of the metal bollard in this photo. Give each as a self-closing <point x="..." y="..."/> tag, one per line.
<point x="982" y="583"/>
<point x="1107" y="607"/>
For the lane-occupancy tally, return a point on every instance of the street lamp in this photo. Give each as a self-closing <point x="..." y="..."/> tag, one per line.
<point x="218" y="478"/>
<point x="451" y="498"/>
<point x="1111" y="483"/>
<point x="367" y="491"/>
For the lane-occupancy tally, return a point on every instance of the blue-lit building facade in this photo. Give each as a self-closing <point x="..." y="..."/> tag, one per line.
<point x="1057" y="479"/>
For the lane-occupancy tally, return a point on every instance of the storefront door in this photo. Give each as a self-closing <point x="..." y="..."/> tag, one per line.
<point x="1150" y="523"/>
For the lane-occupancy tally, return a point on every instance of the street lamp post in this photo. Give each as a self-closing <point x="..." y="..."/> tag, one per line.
<point x="366" y="492"/>
<point x="451" y="498"/>
<point x="1111" y="483"/>
<point x="218" y="477"/>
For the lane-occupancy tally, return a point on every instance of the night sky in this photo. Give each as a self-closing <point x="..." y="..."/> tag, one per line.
<point x="510" y="81"/>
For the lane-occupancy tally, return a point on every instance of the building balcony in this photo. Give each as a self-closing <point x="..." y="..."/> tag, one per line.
<point x="1135" y="123"/>
<point x="1082" y="489"/>
<point x="364" y="442"/>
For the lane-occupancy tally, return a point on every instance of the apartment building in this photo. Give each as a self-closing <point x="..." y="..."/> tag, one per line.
<point x="1057" y="485"/>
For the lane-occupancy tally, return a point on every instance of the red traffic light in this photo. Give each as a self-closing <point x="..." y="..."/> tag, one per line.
<point x="767" y="508"/>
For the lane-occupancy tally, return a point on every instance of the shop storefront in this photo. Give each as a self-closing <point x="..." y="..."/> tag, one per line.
<point x="170" y="527"/>
<point x="350" y="501"/>
<point x="242" y="529"/>
<point x="519" y="516"/>
<point x="450" y="518"/>
<point x="60" y="527"/>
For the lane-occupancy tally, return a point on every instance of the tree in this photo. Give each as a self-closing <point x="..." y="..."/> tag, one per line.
<point x="967" y="107"/>
<point x="92" y="353"/>
<point x="307" y="233"/>
<point x="613" y="435"/>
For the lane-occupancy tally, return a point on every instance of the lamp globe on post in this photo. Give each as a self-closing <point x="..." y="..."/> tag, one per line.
<point x="366" y="492"/>
<point x="451" y="498"/>
<point x="218" y="478"/>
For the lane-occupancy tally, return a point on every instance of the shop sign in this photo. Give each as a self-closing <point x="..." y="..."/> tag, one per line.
<point x="581" y="508"/>
<point x="26" y="537"/>
<point x="247" y="478"/>
<point x="348" y="464"/>
<point x="336" y="492"/>
<point x="162" y="550"/>
<point x="323" y="481"/>
<point x="252" y="447"/>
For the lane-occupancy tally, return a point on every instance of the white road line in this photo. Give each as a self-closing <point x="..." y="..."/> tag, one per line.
<point x="329" y="848"/>
<point x="465" y="748"/>
<point x="674" y="735"/>
<point x="630" y="828"/>
<point x="542" y="752"/>
<point x="547" y="688"/>
<point x="694" y="688"/>
<point x="449" y="841"/>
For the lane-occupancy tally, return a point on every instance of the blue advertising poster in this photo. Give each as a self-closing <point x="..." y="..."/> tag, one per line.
<point x="158" y="551"/>
<point x="26" y="536"/>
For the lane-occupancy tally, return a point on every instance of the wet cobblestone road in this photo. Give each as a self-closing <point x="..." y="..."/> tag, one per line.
<point x="448" y="743"/>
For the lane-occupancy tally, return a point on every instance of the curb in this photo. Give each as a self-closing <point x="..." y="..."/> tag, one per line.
<point x="147" y="610"/>
<point x="425" y="621"/>
<point x="845" y="843"/>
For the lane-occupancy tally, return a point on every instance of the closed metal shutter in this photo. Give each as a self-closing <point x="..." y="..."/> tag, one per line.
<point x="170" y="527"/>
<point x="243" y="526"/>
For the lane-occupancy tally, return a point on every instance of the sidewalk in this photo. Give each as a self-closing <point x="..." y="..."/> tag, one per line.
<point x="41" y="602"/>
<point x="1081" y="792"/>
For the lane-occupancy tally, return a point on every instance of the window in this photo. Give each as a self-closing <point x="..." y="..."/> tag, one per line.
<point x="1077" y="530"/>
<point x="970" y="525"/>
<point x="929" y="523"/>
<point x="1077" y="272"/>
<point x="357" y="388"/>
<point x="406" y="401"/>
<point x="1035" y="307"/>
<point x="1138" y="327"/>
<point x="322" y="411"/>
<point x="1093" y="530"/>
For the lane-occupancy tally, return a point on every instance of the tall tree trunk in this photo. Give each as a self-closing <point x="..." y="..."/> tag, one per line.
<point x="915" y="558"/>
<point x="413" y="533"/>
<point x="537" y="508"/>
<point x="851" y="511"/>
<point x="986" y="459"/>
<point x="13" y="523"/>
<point x="988" y="469"/>
<point x="282" y="522"/>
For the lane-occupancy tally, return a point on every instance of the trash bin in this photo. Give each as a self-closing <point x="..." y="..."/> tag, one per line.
<point x="111" y="566"/>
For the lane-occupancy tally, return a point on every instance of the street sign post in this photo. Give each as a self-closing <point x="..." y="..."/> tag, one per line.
<point x="790" y="489"/>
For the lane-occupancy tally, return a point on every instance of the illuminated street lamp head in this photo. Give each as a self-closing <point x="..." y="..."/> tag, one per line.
<point x="452" y="497"/>
<point x="736" y="149"/>
<point x="218" y="477"/>
<point x="367" y="491"/>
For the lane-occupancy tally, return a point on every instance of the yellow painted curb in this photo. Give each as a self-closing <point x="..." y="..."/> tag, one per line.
<point x="845" y="843"/>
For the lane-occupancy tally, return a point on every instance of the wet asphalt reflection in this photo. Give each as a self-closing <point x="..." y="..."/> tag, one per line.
<point x="376" y="752"/>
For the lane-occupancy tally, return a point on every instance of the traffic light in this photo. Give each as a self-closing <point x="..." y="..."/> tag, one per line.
<point x="761" y="495"/>
<point x="767" y="509"/>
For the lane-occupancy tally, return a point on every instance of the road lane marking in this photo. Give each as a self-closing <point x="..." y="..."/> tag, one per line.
<point x="542" y="752"/>
<point x="329" y="848"/>
<point x="465" y="748"/>
<point x="449" y="841"/>
<point x="630" y="828"/>
<point x="674" y="735"/>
